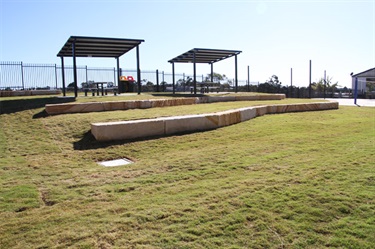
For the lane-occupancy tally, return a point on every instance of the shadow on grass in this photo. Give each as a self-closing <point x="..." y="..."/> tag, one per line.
<point x="17" y="105"/>
<point x="88" y="141"/>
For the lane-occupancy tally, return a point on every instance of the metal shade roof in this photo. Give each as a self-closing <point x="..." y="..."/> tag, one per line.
<point x="204" y="55"/>
<point x="368" y="74"/>
<point x="97" y="46"/>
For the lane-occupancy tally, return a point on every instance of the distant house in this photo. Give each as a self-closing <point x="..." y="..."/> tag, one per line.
<point x="362" y="79"/>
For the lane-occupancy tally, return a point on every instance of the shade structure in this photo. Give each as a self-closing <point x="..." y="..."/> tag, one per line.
<point x="204" y="55"/>
<point x="100" y="47"/>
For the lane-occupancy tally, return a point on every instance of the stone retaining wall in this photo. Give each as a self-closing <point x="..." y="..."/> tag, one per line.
<point x="190" y="123"/>
<point x="143" y="104"/>
<point x="29" y="93"/>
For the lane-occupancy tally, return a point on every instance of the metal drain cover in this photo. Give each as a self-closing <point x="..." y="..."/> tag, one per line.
<point x="116" y="162"/>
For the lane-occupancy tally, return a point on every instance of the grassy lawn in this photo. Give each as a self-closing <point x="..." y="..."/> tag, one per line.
<point x="296" y="180"/>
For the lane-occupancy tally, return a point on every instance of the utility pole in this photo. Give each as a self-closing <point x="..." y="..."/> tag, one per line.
<point x="291" y="82"/>
<point x="310" y="82"/>
<point x="248" y="78"/>
<point x="324" y="90"/>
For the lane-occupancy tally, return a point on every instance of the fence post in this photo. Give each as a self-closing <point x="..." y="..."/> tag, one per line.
<point x="163" y="81"/>
<point x="248" y="78"/>
<point x="23" y="83"/>
<point x="86" y="73"/>
<point x="114" y="76"/>
<point x="56" y="75"/>
<point x="157" y="80"/>
<point x="310" y="82"/>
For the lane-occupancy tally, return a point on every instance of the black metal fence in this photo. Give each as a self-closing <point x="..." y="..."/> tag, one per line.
<point x="27" y="76"/>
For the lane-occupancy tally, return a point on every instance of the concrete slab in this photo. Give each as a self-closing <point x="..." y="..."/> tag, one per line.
<point x="350" y="102"/>
<point x="116" y="162"/>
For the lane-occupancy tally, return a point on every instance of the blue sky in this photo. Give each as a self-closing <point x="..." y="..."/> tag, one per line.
<point x="274" y="36"/>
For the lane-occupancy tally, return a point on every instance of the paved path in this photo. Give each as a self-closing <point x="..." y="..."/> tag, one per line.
<point x="350" y="102"/>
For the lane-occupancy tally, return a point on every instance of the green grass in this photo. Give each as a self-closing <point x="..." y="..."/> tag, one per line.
<point x="296" y="180"/>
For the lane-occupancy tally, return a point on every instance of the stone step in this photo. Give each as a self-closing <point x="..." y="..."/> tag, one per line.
<point x="122" y="130"/>
<point x="54" y="109"/>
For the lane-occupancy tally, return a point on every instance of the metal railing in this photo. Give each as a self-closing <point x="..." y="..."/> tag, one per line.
<point x="28" y="76"/>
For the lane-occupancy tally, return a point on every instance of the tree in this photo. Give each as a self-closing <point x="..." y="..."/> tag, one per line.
<point x="216" y="77"/>
<point x="318" y="86"/>
<point x="149" y="86"/>
<point x="163" y="85"/>
<point x="274" y="81"/>
<point x="272" y="85"/>
<point x="331" y="86"/>
<point x="71" y="85"/>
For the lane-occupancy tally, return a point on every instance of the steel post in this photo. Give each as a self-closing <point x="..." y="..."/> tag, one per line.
<point x="75" y="69"/>
<point x="63" y="75"/>
<point x="235" y="73"/>
<point x="138" y="72"/>
<point x="310" y="82"/>
<point x="157" y="80"/>
<point x="355" y="90"/>
<point x="173" y="79"/>
<point x="195" y="75"/>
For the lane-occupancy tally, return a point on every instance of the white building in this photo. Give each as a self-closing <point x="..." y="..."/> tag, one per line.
<point x="362" y="79"/>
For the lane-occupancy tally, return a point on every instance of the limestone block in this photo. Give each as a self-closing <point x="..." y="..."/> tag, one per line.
<point x="280" y="108"/>
<point x="187" y="101"/>
<point x="246" y="98"/>
<point x="113" y="105"/>
<point x="160" y="102"/>
<point x="87" y="107"/>
<point x="44" y="92"/>
<point x="271" y="96"/>
<point x="144" y="104"/>
<point x="261" y="110"/>
<point x="73" y="108"/>
<point x="229" y="117"/>
<point x="6" y="93"/>
<point x="247" y="113"/>
<point x="131" y="104"/>
<point x="127" y="129"/>
<point x="189" y="123"/>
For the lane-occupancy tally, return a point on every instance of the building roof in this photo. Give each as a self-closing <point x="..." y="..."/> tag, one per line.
<point x="366" y="74"/>
<point x="97" y="46"/>
<point x="204" y="55"/>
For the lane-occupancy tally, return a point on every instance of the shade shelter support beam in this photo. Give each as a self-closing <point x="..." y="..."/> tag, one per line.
<point x="235" y="72"/>
<point x="63" y="75"/>
<point x="138" y="72"/>
<point x="195" y="74"/>
<point x="75" y="68"/>
<point x="173" y="80"/>
<point x="118" y="71"/>
<point x="212" y="72"/>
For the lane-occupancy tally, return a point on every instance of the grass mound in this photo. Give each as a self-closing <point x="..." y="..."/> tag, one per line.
<point x="295" y="180"/>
